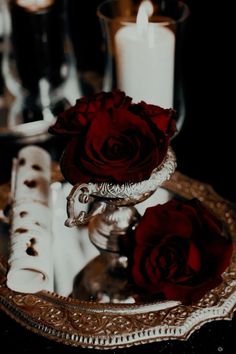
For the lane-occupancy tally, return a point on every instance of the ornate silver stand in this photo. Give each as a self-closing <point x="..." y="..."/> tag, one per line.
<point x="113" y="213"/>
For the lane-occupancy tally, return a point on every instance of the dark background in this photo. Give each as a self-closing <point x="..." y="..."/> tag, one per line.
<point x="205" y="146"/>
<point x="205" y="150"/>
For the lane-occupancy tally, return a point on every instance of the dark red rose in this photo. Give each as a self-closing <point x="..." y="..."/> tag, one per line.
<point x="180" y="251"/>
<point x="76" y="118"/>
<point x="113" y="140"/>
<point x="162" y="118"/>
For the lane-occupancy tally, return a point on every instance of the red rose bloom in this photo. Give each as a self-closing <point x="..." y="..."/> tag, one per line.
<point x="113" y="140"/>
<point x="162" y="118"/>
<point x="76" y="118"/>
<point x="180" y="251"/>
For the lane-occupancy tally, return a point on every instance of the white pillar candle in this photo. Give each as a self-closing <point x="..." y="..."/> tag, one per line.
<point x="145" y="60"/>
<point x="30" y="261"/>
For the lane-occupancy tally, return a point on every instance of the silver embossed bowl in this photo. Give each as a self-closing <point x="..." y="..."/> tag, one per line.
<point x="126" y="194"/>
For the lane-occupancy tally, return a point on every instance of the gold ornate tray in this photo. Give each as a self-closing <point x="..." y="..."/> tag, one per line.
<point x="103" y="326"/>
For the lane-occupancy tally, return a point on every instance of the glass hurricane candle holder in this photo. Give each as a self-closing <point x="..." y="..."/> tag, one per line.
<point x="104" y="279"/>
<point x="37" y="65"/>
<point x="144" y="51"/>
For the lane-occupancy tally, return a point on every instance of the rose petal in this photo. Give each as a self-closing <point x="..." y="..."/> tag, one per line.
<point x="163" y="119"/>
<point x="187" y="294"/>
<point x="157" y="221"/>
<point x="139" y="156"/>
<point x="194" y="258"/>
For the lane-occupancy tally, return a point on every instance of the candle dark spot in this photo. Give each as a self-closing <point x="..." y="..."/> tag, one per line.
<point x="31" y="251"/>
<point x="30" y="247"/>
<point x="37" y="167"/>
<point x="21" y="230"/>
<point x="37" y="223"/>
<point x="22" y="162"/>
<point x="30" y="184"/>
<point x="23" y="214"/>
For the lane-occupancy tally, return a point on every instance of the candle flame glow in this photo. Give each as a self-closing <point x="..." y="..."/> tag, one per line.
<point x="144" y="12"/>
<point x="34" y="5"/>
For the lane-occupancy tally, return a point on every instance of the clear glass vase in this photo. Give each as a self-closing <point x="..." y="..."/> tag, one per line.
<point x="144" y="50"/>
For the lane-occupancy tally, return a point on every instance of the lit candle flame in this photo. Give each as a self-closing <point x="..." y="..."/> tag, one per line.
<point x="144" y="12"/>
